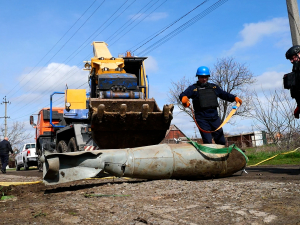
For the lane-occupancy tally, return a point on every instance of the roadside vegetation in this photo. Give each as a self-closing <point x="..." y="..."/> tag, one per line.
<point x="259" y="154"/>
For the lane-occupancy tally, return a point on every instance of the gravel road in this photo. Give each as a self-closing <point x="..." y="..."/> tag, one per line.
<point x="266" y="195"/>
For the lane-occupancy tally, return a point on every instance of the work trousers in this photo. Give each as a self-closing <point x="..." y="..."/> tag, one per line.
<point x="4" y="161"/>
<point x="210" y="125"/>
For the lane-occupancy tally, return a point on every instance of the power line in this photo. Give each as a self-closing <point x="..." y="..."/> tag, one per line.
<point x="58" y="68"/>
<point x="183" y="27"/>
<point x="139" y="22"/>
<point x="47" y="104"/>
<point x="64" y="44"/>
<point x="138" y="15"/>
<point x="172" y="24"/>
<point x="54" y="45"/>
<point x="86" y="83"/>
<point x="78" y="52"/>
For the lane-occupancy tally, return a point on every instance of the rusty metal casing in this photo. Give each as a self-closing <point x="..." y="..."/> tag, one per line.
<point x="164" y="161"/>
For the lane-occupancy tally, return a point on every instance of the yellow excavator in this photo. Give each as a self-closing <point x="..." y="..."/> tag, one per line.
<point x="121" y="113"/>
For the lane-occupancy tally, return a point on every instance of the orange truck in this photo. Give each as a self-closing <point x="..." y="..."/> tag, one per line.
<point x="45" y="133"/>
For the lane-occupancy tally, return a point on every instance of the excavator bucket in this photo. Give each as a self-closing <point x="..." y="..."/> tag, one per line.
<point x="128" y="123"/>
<point x="120" y="111"/>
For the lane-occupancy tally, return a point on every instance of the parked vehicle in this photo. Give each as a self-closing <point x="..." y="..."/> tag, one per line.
<point x="26" y="156"/>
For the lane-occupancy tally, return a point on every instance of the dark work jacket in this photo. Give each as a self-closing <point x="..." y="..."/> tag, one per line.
<point x="295" y="91"/>
<point x="205" y="113"/>
<point x="5" y="147"/>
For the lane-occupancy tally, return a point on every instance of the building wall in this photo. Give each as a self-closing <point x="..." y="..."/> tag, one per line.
<point x="169" y="139"/>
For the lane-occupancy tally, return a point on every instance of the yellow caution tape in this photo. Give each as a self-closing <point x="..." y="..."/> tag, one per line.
<point x="95" y="178"/>
<point x="224" y="122"/>
<point x="284" y="153"/>
<point x="38" y="182"/>
<point x="19" y="183"/>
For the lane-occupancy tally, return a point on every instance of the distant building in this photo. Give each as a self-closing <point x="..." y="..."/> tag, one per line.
<point x="173" y="135"/>
<point x="253" y="139"/>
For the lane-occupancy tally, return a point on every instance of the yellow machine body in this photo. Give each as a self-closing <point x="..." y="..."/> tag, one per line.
<point x="120" y="111"/>
<point x="76" y="98"/>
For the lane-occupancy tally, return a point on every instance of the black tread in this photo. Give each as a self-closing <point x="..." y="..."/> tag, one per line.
<point x="62" y="147"/>
<point x="72" y="147"/>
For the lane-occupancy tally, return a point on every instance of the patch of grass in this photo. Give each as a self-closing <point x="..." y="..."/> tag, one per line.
<point x="72" y="213"/>
<point x="3" y="196"/>
<point x="39" y="214"/>
<point x="286" y="159"/>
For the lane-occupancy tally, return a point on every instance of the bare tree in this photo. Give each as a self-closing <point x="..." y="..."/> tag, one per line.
<point x="231" y="76"/>
<point x="175" y="91"/>
<point x="16" y="133"/>
<point x="273" y="112"/>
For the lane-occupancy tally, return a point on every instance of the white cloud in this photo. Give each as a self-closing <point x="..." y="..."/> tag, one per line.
<point x="52" y="78"/>
<point x="269" y="80"/>
<point x="244" y="126"/>
<point x="255" y="32"/>
<point x="151" y="64"/>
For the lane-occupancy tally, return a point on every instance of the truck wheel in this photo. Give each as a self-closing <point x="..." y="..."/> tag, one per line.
<point x="17" y="167"/>
<point x="72" y="147"/>
<point x="62" y="147"/>
<point x="40" y="166"/>
<point x="26" y="167"/>
<point x="39" y="163"/>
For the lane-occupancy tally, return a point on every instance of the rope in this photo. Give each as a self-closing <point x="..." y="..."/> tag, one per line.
<point x="284" y="153"/>
<point x="232" y="112"/>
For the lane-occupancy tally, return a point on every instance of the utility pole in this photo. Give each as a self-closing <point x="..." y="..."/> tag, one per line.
<point x="5" y="117"/>
<point x="293" y="12"/>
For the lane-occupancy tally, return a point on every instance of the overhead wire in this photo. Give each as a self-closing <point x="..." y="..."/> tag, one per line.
<point x="46" y="105"/>
<point x="66" y="61"/>
<point x="81" y="45"/>
<point x="171" y="25"/>
<point x="137" y="16"/>
<point x="64" y="44"/>
<point x="53" y="46"/>
<point x="80" y="62"/>
<point x="178" y="31"/>
<point x="183" y="27"/>
<point x="139" y="22"/>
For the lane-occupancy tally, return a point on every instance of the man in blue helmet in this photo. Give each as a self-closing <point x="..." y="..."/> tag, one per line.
<point x="205" y="103"/>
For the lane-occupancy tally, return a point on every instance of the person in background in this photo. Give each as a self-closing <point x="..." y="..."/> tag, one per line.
<point x="5" y="148"/>
<point x="293" y="54"/>
<point x="205" y="102"/>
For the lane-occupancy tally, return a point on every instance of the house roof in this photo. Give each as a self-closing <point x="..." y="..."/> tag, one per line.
<point x="173" y="127"/>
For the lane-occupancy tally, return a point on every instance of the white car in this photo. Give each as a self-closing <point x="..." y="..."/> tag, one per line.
<point x="26" y="156"/>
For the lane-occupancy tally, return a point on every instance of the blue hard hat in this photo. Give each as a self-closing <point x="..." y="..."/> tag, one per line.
<point x="203" y="71"/>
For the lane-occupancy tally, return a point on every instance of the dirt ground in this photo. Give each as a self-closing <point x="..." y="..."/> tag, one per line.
<point x="266" y="195"/>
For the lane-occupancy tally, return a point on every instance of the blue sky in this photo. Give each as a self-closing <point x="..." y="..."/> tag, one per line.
<point x="44" y="43"/>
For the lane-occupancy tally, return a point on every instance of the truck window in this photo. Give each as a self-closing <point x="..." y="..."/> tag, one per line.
<point x="27" y="146"/>
<point x="38" y="120"/>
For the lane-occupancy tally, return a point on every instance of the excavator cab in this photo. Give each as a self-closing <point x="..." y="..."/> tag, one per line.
<point x="120" y="111"/>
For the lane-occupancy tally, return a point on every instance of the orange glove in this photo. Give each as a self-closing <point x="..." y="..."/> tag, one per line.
<point x="296" y="113"/>
<point x="185" y="101"/>
<point x="237" y="99"/>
